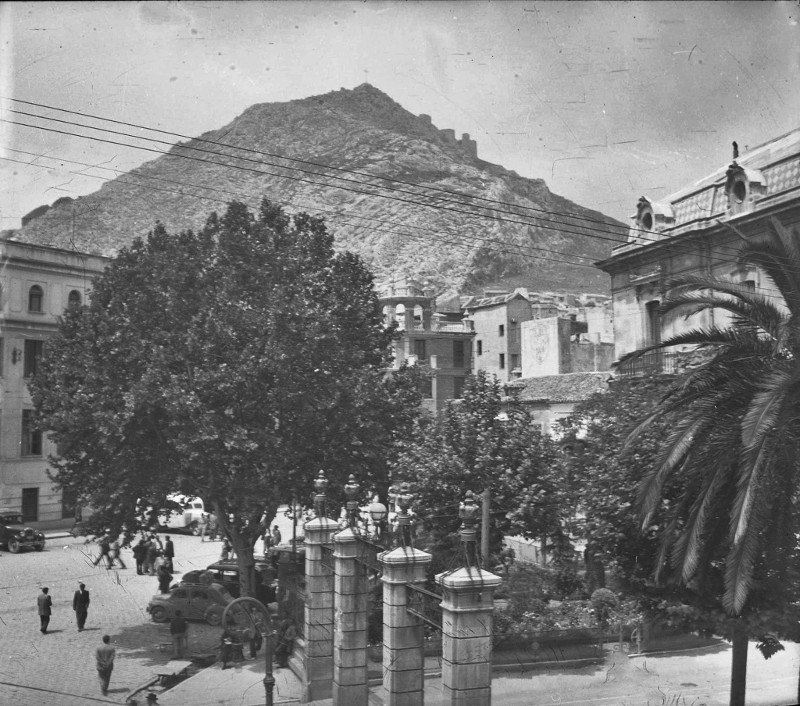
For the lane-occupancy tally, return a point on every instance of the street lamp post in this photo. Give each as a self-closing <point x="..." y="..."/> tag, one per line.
<point x="378" y="512"/>
<point x="247" y="604"/>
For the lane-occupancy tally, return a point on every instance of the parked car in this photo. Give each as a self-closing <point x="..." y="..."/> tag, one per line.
<point x="188" y="518"/>
<point x="227" y="574"/>
<point x="15" y="536"/>
<point x="195" y="601"/>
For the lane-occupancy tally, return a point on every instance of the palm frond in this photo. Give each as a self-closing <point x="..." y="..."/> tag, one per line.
<point x="777" y="389"/>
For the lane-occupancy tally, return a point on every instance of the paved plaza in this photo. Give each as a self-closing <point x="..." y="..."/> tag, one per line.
<point x="59" y="667"/>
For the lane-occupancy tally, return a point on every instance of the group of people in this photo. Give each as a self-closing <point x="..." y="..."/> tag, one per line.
<point x="234" y="638"/>
<point x="150" y="554"/>
<point x="104" y="654"/>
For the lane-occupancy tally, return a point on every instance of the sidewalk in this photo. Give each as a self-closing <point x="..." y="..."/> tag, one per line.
<point x="242" y="685"/>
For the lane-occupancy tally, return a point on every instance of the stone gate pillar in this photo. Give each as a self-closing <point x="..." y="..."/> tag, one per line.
<point x="319" y="601"/>
<point x="403" y="633"/>
<point x="351" y="596"/>
<point x="467" y="612"/>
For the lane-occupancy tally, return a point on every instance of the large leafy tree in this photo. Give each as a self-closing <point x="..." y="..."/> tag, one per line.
<point x="481" y="443"/>
<point x="735" y="441"/>
<point x="232" y="364"/>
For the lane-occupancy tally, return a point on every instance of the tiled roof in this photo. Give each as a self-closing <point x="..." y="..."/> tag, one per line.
<point x="569" y="387"/>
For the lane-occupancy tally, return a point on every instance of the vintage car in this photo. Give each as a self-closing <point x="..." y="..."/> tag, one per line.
<point x="195" y="601"/>
<point x="15" y="536"/>
<point x="227" y="574"/>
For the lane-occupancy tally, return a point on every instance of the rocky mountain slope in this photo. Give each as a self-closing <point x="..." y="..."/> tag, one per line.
<point x="410" y="198"/>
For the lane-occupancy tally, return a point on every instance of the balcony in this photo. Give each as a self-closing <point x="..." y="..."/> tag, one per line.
<point x="652" y="363"/>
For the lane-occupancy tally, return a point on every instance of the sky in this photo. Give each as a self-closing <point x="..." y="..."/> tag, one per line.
<point x="605" y="101"/>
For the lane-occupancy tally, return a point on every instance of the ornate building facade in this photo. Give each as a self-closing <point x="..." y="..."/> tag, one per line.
<point x="37" y="284"/>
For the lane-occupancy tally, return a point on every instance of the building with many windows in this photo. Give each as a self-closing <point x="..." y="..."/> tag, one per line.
<point x="698" y="230"/>
<point x="36" y="284"/>
<point x="433" y="340"/>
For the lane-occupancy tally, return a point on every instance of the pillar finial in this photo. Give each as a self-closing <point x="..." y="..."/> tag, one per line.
<point x="403" y="498"/>
<point x="351" y="490"/>
<point x="320" y="499"/>
<point x="469" y="512"/>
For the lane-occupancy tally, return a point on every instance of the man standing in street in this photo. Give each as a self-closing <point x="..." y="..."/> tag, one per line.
<point x="169" y="551"/>
<point x="45" y="604"/>
<point x="80" y="604"/>
<point x="105" y="663"/>
<point x="276" y="536"/>
<point x="178" y="628"/>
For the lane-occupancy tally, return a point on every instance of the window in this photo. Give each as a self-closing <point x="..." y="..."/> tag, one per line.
<point x="180" y="595"/>
<point x="653" y="322"/>
<point x="74" y="298"/>
<point x="35" y="299"/>
<point x="502" y="361"/>
<point x="458" y="388"/>
<point x="31" y="436"/>
<point x="33" y="353"/>
<point x="501" y="330"/>
<point x="69" y="503"/>
<point x="427" y="388"/>
<point x="514" y="361"/>
<point x="458" y="354"/>
<point x="419" y="349"/>
<point x="30" y="504"/>
<point x="480" y="347"/>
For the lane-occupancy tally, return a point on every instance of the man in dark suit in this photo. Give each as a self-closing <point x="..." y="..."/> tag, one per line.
<point x="45" y="604"/>
<point x="80" y="604"/>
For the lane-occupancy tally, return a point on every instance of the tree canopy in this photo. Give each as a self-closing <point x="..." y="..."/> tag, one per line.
<point x="476" y="443"/>
<point x="231" y="364"/>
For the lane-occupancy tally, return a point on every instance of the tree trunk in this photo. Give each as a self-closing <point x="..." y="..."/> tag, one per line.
<point x="739" y="664"/>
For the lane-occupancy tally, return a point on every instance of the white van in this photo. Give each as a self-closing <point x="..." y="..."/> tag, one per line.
<point x="190" y="518"/>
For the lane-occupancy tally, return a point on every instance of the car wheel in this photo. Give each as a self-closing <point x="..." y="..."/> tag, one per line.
<point x="213" y="616"/>
<point x="13" y="546"/>
<point x="194" y="528"/>
<point x="38" y="547"/>
<point x="158" y="614"/>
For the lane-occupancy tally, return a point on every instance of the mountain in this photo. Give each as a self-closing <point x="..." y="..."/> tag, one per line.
<point x="410" y="198"/>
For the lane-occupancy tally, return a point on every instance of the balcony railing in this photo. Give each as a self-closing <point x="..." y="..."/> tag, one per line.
<point x="652" y="363"/>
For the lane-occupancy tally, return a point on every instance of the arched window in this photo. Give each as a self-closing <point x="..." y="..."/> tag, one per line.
<point x="74" y="298"/>
<point x="35" y="298"/>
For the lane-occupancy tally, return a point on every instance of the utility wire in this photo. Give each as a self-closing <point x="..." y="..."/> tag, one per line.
<point x="644" y="234"/>
<point x="462" y="244"/>
<point x="450" y="192"/>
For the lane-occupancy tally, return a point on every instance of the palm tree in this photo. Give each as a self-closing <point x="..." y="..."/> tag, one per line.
<point x="735" y="443"/>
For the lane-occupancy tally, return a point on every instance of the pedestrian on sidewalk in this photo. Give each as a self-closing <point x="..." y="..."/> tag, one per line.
<point x="139" y="553"/>
<point x="179" y="629"/>
<point x="105" y="549"/>
<point x="115" y="554"/>
<point x="45" y="606"/>
<point x="169" y="550"/>
<point x="225" y="554"/>
<point x="276" y="536"/>
<point x="80" y="604"/>
<point x="164" y="578"/>
<point x="105" y="663"/>
<point x="285" y="642"/>
<point x="152" y="555"/>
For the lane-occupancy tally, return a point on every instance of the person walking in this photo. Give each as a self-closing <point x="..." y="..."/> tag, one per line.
<point x="179" y="629"/>
<point x="105" y="663"/>
<point x="80" y="604"/>
<point x="115" y="554"/>
<point x="105" y="549"/>
<point x="225" y="553"/>
<point x="276" y="536"/>
<point x="45" y="605"/>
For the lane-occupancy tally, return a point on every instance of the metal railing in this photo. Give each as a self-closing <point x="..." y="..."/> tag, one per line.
<point x="425" y="604"/>
<point x="652" y="363"/>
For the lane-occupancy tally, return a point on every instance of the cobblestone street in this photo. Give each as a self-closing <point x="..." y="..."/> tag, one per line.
<point x="59" y="667"/>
